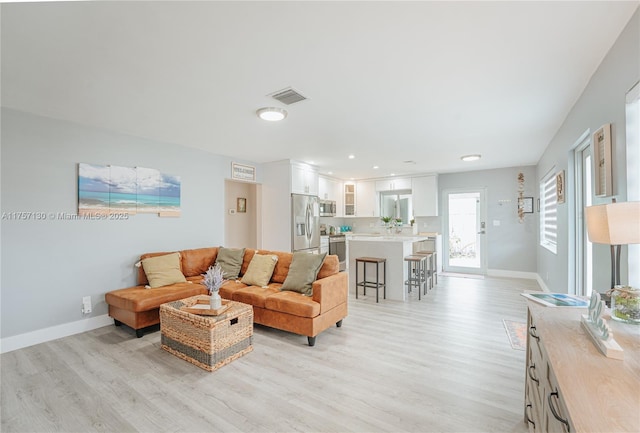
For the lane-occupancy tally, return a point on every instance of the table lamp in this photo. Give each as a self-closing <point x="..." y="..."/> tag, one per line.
<point x="614" y="224"/>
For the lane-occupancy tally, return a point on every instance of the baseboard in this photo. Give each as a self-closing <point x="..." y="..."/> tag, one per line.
<point x="511" y="274"/>
<point x="543" y="286"/>
<point x="27" y="339"/>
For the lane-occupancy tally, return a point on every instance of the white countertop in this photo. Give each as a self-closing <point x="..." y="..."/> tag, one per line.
<point x="386" y="238"/>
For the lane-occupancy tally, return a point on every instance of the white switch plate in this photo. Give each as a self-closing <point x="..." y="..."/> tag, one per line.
<point x="86" y="304"/>
<point x="496" y="223"/>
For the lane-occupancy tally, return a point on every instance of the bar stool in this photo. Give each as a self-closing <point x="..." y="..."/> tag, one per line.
<point x="370" y="283"/>
<point x="430" y="268"/>
<point x="416" y="274"/>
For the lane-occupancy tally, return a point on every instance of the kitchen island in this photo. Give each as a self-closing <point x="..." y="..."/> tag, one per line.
<point x="391" y="247"/>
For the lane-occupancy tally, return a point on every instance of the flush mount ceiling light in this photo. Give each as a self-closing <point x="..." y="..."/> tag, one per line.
<point x="468" y="158"/>
<point x="272" y="114"/>
<point x="352" y="156"/>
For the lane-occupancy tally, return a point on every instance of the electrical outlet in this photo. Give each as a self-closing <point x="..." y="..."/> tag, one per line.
<point x="86" y="305"/>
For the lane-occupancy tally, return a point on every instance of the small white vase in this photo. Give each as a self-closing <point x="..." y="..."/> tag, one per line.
<point x="215" y="301"/>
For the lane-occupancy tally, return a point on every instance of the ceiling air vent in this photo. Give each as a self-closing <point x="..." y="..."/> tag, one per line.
<point x="288" y="96"/>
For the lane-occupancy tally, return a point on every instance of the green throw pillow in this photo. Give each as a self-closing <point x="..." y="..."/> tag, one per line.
<point x="230" y="260"/>
<point x="163" y="270"/>
<point x="260" y="270"/>
<point x="303" y="272"/>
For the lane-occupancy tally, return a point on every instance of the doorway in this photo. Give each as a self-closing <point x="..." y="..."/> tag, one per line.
<point x="465" y="228"/>
<point x="242" y="214"/>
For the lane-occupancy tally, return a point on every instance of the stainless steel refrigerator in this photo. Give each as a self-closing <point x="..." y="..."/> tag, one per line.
<point x="305" y="218"/>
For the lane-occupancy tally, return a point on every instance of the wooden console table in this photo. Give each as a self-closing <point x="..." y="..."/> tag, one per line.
<point x="570" y="386"/>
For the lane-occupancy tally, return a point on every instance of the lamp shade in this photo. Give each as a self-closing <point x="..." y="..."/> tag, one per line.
<point x="614" y="223"/>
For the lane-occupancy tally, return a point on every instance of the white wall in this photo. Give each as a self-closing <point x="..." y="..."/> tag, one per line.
<point x="603" y="101"/>
<point x="49" y="265"/>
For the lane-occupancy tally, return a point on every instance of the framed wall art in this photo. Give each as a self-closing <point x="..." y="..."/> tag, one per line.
<point x="527" y="204"/>
<point x="560" y="187"/>
<point x="243" y="172"/>
<point x="241" y="206"/>
<point x="602" y="161"/>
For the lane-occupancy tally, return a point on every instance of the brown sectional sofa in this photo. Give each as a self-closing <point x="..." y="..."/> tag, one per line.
<point x="138" y="307"/>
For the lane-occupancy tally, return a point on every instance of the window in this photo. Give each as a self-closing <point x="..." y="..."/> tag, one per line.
<point x="548" y="212"/>
<point x="396" y="204"/>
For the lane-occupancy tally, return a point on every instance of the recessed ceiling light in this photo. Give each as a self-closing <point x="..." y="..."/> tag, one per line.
<point x="352" y="156"/>
<point x="311" y="162"/>
<point x="375" y="167"/>
<point x="329" y="172"/>
<point x="392" y="174"/>
<point x="468" y="158"/>
<point x="272" y="114"/>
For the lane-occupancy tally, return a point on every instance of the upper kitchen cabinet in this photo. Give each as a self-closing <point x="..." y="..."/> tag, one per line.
<point x="367" y="199"/>
<point x="393" y="184"/>
<point x="304" y="179"/>
<point x="349" y="199"/>
<point x="425" y="195"/>
<point x="331" y="189"/>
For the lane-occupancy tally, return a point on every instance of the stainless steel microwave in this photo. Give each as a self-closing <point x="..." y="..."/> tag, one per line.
<point x="327" y="208"/>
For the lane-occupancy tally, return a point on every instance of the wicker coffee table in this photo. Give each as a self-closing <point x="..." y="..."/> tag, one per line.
<point x="209" y="342"/>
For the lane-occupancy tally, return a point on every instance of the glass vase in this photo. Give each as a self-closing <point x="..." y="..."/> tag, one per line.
<point x="625" y="304"/>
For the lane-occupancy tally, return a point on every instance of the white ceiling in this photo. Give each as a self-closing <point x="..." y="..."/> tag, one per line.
<point x="387" y="81"/>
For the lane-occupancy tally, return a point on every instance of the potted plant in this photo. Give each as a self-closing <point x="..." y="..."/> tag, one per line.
<point x="213" y="279"/>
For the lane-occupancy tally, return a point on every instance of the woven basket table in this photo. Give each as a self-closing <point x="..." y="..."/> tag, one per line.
<point x="209" y="342"/>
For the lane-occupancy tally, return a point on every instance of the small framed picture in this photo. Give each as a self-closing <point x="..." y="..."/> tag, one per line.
<point x="241" y="205"/>
<point x="527" y="204"/>
<point x="560" y="187"/>
<point x="602" y="161"/>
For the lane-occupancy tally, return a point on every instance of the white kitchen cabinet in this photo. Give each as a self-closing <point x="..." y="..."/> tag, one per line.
<point x="424" y="191"/>
<point x="304" y="179"/>
<point x="331" y="189"/>
<point x="393" y="184"/>
<point x="349" y="199"/>
<point x="367" y="199"/>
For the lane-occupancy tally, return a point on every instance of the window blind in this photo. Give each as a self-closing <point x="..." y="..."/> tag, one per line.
<point x="548" y="212"/>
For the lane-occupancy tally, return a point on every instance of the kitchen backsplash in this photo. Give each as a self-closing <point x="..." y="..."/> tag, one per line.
<point x="375" y="224"/>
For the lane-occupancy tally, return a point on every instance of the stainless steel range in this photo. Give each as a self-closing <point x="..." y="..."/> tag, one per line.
<point x="338" y="246"/>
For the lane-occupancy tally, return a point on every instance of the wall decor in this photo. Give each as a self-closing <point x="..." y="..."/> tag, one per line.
<point x="111" y="189"/>
<point x="560" y="187"/>
<point x="521" y="197"/>
<point x="241" y="205"/>
<point x="243" y="172"/>
<point x="602" y="161"/>
<point x="527" y="204"/>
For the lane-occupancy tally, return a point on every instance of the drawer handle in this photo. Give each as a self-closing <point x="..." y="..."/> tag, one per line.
<point x="532" y="332"/>
<point x="554" y="412"/>
<point x="533" y="367"/>
<point x="529" y="420"/>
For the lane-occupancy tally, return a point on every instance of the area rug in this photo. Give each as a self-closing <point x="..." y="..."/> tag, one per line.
<point x="517" y="333"/>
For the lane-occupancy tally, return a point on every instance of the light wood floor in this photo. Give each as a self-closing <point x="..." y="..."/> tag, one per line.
<point x="443" y="364"/>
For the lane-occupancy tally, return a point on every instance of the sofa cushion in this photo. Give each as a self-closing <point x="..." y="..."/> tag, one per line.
<point x="282" y="267"/>
<point x="163" y="270"/>
<point x="230" y="260"/>
<point x="330" y="266"/>
<point x="140" y="299"/>
<point x="229" y="287"/>
<point x="293" y="303"/>
<point x="255" y="295"/>
<point x="303" y="272"/>
<point x="197" y="261"/>
<point x="260" y="270"/>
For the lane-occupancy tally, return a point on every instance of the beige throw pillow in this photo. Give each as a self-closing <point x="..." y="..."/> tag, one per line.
<point x="260" y="270"/>
<point x="303" y="272"/>
<point x="230" y="260"/>
<point x="163" y="270"/>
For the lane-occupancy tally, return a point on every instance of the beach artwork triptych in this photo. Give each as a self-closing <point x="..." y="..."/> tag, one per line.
<point x="110" y="189"/>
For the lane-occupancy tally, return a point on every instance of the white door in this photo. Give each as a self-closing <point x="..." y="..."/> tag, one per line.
<point x="583" y="182"/>
<point x="465" y="232"/>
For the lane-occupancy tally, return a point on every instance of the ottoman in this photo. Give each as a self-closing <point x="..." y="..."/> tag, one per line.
<point x="209" y="342"/>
